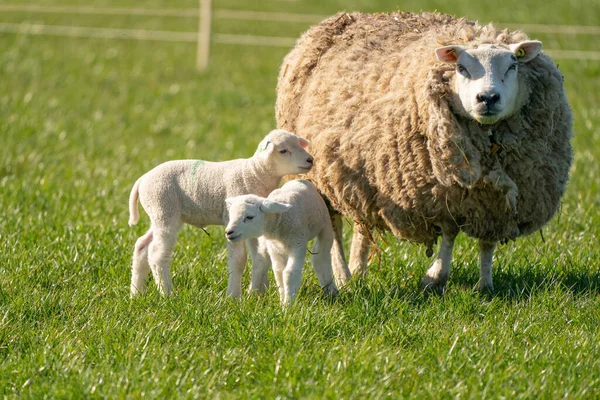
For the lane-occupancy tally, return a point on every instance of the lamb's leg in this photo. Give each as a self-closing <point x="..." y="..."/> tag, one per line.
<point x="236" y="262"/>
<point x="321" y="261"/>
<point x="140" y="267"/>
<point x="292" y="274"/>
<point x="359" y="251"/>
<point x="338" y="258"/>
<point x="260" y="265"/>
<point x="279" y="261"/>
<point x="486" y="254"/>
<point x="437" y="276"/>
<point x="160" y="253"/>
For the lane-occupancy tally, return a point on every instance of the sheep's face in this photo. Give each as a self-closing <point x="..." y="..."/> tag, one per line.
<point x="487" y="78"/>
<point x="247" y="216"/>
<point x="286" y="152"/>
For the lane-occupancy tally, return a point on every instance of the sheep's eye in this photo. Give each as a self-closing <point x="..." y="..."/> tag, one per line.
<point x="283" y="151"/>
<point x="512" y="67"/>
<point x="462" y="70"/>
<point x="250" y="217"/>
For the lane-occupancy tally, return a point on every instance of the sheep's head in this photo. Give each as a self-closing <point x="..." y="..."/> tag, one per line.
<point x="487" y="78"/>
<point x="247" y="216"/>
<point x="285" y="152"/>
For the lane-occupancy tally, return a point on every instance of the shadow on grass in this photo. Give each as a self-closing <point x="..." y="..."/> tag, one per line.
<point x="520" y="284"/>
<point x="514" y="284"/>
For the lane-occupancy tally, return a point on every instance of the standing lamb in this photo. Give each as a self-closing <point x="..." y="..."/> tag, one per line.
<point x="427" y="125"/>
<point x="194" y="192"/>
<point x="287" y="220"/>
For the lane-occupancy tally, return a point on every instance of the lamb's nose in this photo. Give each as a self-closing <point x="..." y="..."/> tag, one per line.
<point x="230" y="232"/>
<point x="309" y="160"/>
<point x="489" y="99"/>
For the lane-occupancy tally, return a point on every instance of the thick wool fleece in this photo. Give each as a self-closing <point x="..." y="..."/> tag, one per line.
<point x="390" y="152"/>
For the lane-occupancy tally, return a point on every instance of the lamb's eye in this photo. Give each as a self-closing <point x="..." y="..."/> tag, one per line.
<point x="462" y="70"/>
<point x="513" y="67"/>
<point x="283" y="151"/>
<point x="250" y="217"/>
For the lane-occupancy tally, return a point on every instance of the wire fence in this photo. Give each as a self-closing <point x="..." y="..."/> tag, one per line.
<point x="247" y="40"/>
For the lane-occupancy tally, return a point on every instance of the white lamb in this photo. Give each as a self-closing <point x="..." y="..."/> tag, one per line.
<point x="194" y="192"/>
<point x="287" y="220"/>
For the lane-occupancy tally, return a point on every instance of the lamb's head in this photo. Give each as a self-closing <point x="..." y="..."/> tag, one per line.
<point x="285" y="152"/>
<point x="487" y="78"/>
<point x="247" y="216"/>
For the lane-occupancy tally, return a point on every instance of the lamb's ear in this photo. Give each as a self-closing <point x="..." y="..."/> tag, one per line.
<point x="274" y="207"/>
<point x="448" y="54"/>
<point x="527" y="50"/>
<point x="303" y="142"/>
<point x="265" y="148"/>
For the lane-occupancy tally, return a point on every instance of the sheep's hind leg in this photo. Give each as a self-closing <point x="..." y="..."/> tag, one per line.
<point x="359" y="251"/>
<point x="160" y="253"/>
<point x="260" y="265"/>
<point x="486" y="255"/>
<point x="321" y="261"/>
<point x="236" y="262"/>
<point x="338" y="258"/>
<point x="439" y="272"/>
<point x="140" y="267"/>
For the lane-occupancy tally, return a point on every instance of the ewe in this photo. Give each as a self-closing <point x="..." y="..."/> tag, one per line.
<point x="194" y="192"/>
<point x="428" y="125"/>
<point x="287" y="220"/>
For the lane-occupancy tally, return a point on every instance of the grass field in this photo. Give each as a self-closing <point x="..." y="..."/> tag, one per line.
<point x="82" y="119"/>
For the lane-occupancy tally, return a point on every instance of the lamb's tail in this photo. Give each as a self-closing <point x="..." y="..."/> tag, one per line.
<point x="134" y="213"/>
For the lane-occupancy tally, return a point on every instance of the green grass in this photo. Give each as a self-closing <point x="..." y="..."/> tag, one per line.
<point x="81" y="119"/>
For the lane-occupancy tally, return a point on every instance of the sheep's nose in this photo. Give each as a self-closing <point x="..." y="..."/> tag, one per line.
<point x="489" y="99"/>
<point x="309" y="160"/>
<point x="229" y="232"/>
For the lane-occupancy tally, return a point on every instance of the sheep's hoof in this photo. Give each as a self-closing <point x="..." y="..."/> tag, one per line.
<point x="433" y="285"/>
<point x="485" y="288"/>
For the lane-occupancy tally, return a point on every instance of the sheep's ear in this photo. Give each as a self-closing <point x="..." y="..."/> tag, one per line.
<point x="527" y="50"/>
<point x="448" y="54"/>
<point x="303" y="142"/>
<point x="274" y="207"/>
<point x="264" y="148"/>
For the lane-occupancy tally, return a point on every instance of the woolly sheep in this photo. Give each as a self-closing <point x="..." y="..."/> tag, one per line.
<point x="287" y="220"/>
<point x="428" y="125"/>
<point x="194" y="192"/>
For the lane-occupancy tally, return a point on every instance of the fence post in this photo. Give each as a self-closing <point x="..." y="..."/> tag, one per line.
<point x="204" y="19"/>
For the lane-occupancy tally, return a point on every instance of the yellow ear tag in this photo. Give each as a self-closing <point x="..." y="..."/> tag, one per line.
<point x="520" y="53"/>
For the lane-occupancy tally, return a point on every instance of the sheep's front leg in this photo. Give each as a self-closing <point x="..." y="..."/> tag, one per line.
<point x="486" y="255"/>
<point x="292" y="274"/>
<point x="261" y="263"/>
<point x="236" y="262"/>
<point x="279" y="260"/>
<point x="338" y="258"/>
<point x="439" y="272"/>
<point x="359" y="251"/>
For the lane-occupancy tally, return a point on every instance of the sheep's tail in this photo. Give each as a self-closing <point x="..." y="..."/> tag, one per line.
<point x="134" y="213"/>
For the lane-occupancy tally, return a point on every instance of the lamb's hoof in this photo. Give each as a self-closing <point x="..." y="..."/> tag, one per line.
<point x="342" y="280"/>
<point x="358" y="273"/>
<point x="434" y="285"/>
